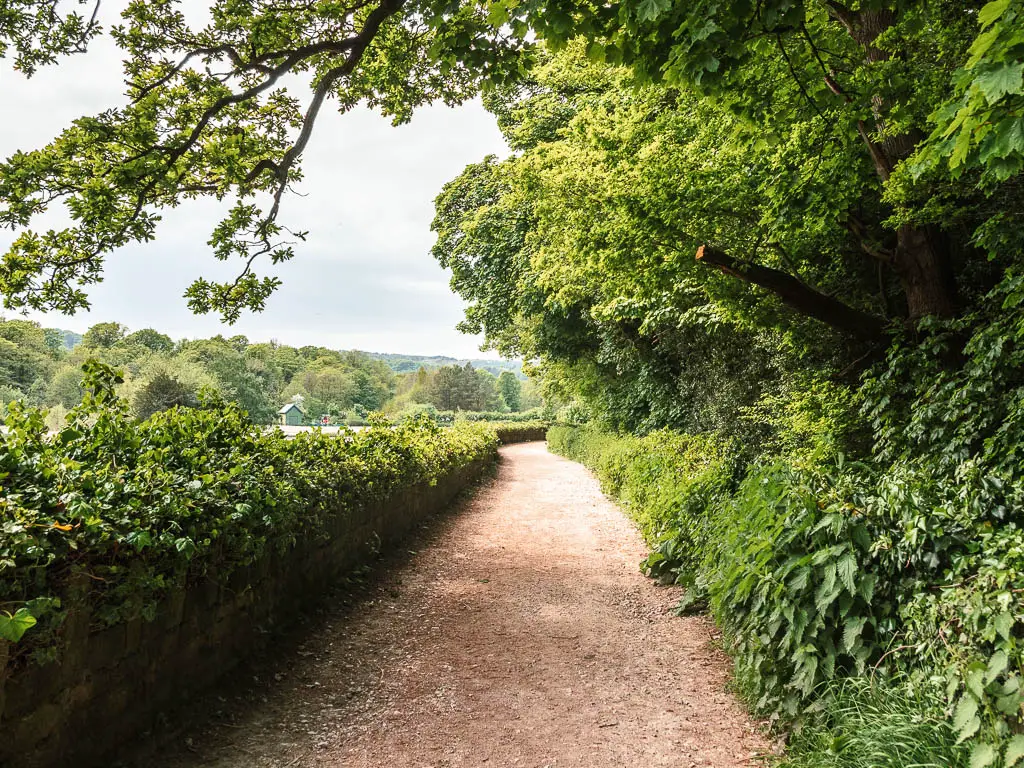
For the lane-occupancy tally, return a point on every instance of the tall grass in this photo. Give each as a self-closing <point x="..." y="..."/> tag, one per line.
<point x="877" y="726"/>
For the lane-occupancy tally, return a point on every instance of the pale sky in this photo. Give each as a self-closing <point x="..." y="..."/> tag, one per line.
<point x="364" y="278"/>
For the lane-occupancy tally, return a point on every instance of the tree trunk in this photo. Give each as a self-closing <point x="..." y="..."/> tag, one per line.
<point x="797" y="295"/>
<point x="922" y="259"/>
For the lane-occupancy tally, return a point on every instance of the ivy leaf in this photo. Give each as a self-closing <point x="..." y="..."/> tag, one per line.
<point x="13" y="627"/>
<point x="1008" y="78"/>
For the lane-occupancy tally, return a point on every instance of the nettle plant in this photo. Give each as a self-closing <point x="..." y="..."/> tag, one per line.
<point x="795" y="585"/>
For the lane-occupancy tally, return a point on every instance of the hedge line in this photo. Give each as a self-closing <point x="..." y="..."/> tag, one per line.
<point x="519" y="432"/>
<point x="827" y="574"/>
<point x="143" y="507"/>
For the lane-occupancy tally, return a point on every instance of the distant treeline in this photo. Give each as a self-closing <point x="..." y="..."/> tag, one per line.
<point x="43" y="367"/>
<point x="412" y="363"/>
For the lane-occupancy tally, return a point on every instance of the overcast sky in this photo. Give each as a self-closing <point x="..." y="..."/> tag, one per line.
<point x="364" y="279"/>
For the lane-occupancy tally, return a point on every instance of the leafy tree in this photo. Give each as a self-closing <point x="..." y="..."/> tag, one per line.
<point x="206" y="115"/>
<point x="65" y="388"/>
<point x="253" y="387"/>
<point x="455" y="387"/>
<point x="570" y="252"/>
<point x="511" y="390"/>
<point x="104" y="335"/>
<point x="25" y="357"/>
<point x="54" y="340"/>
<point x="163" y="392"/>
<point x="151" y="340"/>
<point x="165" y="382"/>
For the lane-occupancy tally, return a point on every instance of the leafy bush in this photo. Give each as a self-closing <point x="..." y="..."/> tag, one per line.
<point x="667" y="483"/>
<point x="534" y="414"/>
<point x="141" y="506"/>
<point x="794" y="585"/>
<point x="823" y="570"/>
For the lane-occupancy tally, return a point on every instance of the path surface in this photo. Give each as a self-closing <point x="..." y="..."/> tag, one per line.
<point x="522" y="635"/>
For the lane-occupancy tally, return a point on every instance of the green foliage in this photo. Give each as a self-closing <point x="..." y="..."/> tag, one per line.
<point x="104" y="335"/>
<point x="577" y="252"/>
<point x="510" y="390"/>
<point x="160" y="373"/>
<point x="821" y="570"/>
<point x="144" y="506"/>
<point x="37" y="34"/>
<point x="667" y="482"/>
<point x="982" y="127"/>
<point x="519" y="431"/>
<point x="207" y="113"/>
<point x="877" y="725"/>
<point x="793" y="583"/>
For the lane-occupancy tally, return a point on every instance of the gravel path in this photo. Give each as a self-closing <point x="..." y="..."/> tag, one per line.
<point x="521" y="635"/>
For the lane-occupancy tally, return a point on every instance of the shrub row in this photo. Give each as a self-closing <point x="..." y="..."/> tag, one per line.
<point x="140" y="507"/>
<point x="519" y="432"/>
<point x="834" y="571"/>
<point x="447" y="418"/>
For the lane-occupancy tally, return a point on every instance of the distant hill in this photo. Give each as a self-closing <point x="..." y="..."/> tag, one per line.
<point x="409" y="363"/>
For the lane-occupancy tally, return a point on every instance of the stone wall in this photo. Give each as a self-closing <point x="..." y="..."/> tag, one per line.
<point x="111" y="685"/>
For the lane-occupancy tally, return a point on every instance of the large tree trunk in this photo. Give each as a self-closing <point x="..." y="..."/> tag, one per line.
<point x="923" y="254"/>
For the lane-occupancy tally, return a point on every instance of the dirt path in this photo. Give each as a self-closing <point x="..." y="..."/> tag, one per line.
<point x="522" y="635"/>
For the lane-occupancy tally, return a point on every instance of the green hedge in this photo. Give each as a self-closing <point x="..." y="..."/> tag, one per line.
<point x="831" y="571"/>
<point x="447" y="418"/>
<point x="141" y="507"/>
<point x="519" y="432"/>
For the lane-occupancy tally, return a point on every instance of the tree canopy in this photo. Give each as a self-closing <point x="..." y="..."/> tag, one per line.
<point x="208" y="114"/>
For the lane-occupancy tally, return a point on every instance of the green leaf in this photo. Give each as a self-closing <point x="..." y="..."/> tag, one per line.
<point x="1014" y="751"/>
<point x="996" y="665"/>
<point x="976" y="681"/>
<point x="649" y="10"/>
<point x="847" y="567"/>
<point x="983" y="755"/>
<point x="800" y="579"/>
<point x="825" y="596"/>
<point x="497" y="14"/>
<point x="1008" y="78"/>
<point x="981" y="45"/>
<point x="852" y="630"/>
<point x="13" y="627"/>
<point x="965" y="719"/>
<point x="1004" y="624"/>
<point x="992" y="11"/>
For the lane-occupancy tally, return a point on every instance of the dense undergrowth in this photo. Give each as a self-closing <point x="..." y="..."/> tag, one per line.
<point x="136" y="508"/>
<point x="822" y="574"/>
<point x="873" y="606"/>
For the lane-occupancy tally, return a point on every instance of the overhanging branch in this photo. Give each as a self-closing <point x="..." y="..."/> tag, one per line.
<point x="797" y="295"/>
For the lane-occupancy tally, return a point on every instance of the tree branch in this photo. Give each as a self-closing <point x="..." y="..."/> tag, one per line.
<point x="797" y="295"/>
